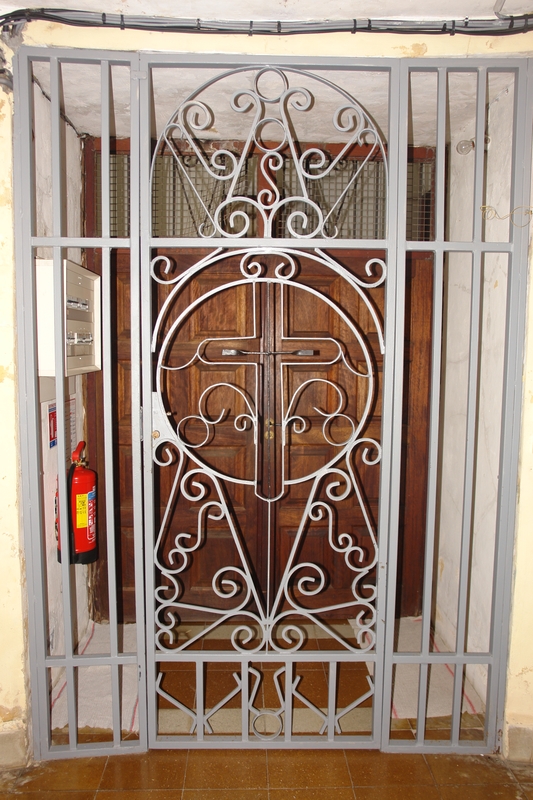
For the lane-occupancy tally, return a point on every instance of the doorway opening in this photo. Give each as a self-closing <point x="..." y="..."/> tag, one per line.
<point x="303" y="423"/>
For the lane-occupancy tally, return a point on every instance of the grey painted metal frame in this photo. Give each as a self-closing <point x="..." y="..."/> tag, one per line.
<point x="394" y="378"/>
<point x="315" y="244"/>
<point x="32" y="515"/>
<point x="517" y="248"/>
<point x="141" y="244"/>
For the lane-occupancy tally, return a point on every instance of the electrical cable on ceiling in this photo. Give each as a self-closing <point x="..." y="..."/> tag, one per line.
<point x="501" y="26"/>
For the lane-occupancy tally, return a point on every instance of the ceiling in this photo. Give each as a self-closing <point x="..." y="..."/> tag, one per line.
<point x="371" y="89"/>
<point x="292" y="9"/>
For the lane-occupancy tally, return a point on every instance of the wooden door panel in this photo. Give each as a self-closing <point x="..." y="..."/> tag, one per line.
<point x="280" y="319"/>
<point x="312" y="318"/>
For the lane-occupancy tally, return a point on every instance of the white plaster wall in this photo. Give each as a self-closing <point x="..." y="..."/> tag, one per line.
<point x="13" y="664"/>
<point x="518" y="726"/>
<point x="454" y="398"/>
<point x="497" y="195"/>
<point x="455" y="375"/>
<point x="13" y="631"/>
<point x="42" y="131"/>
<point x="44" y="221"/>
<point x="50" y="460"/>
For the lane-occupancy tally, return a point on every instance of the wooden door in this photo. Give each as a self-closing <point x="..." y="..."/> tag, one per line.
<point x="306" y="319"/>
<point x="267" y="372"/>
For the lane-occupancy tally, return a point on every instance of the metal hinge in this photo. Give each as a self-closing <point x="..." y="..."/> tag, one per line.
<point x="139" y="74"/>
<point x="141" y="422"/>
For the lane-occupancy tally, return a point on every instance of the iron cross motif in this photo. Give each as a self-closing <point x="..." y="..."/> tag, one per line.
<point x="272" y="351"/>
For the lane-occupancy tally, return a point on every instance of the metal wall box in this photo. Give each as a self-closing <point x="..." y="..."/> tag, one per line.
<point x="83" y="352"/>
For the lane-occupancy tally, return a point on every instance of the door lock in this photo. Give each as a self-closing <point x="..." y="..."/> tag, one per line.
<point x="269" y="432"/>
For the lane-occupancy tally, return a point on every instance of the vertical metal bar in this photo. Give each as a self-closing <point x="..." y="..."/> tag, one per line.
<point x="245" y="695"/>
<point x="423" y="673"/>
<point x="517" y="294"/>
<point x="107" y="367"/>
<point x="440" y="157"/>
<point x="105" y="160"/>
<point x="332" y="699"/>
<point x="67" y="572"/>
<point x="479" y="152"/>
<point x="139" y="109"/>
<point x="30" y="427"/>
<point x="289" y="681"/>
<point x="141" y="390"/>
<point x="58" y="199"/>
<point x="392" y="383"/>
<point x="434" y="410"/>
<point x="200" y="700"/>
<point x="469" y="476"/>
<point x="472" y="402"/>
<point x="107" y="364"/>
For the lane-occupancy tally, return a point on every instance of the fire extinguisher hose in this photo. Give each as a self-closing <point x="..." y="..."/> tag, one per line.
<point x="71" y="543"/>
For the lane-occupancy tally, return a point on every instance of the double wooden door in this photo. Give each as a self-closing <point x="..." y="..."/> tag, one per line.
<point x="271" y="393"/>
<point x="262" y="341"/>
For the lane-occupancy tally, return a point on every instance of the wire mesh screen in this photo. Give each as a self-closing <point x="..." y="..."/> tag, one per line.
<point x="119" y="190"/>
<point x="182" y="191"/>
<point x="420" y="201"/>
<point x="352" y="198"/>
<point x="355" y="203"/>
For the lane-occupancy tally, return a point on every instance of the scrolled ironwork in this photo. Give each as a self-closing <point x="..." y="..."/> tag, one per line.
<point x="277" y="113"/>
<point x="276" y="623"/>
<point x="276" y="619"/>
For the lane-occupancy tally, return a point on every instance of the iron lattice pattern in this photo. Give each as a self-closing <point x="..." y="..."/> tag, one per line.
<point x="178" y="212"/>
<point x="263" y="700"/>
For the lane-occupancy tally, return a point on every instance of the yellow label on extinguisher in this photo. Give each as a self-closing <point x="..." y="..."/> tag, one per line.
<point x="81" y="510"/>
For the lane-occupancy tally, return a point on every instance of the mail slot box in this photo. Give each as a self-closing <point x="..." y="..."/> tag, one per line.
<point x="82" y="303"/>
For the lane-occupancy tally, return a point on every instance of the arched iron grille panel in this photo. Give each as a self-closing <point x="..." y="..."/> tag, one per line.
<point x="272" y="102"/>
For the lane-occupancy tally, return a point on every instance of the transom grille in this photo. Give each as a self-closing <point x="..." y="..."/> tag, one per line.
<point x="177" y="210"/>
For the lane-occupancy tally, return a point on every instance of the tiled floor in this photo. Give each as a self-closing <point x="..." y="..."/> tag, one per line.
<point x="272" y="775"/>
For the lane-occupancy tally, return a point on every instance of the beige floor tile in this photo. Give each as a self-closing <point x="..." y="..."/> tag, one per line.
<point x="75" y="774"/>
<point x="403" y="792"/>
<point x="372" y="768"/>
<point x="522" y="772"/>
<point x="307" y="769"/>
<point x="139" y="794"/>
<point x="158" y="769"/>
<point x="224" y="794"/>
<point x="8" y="778"/>
<point x="455" y="770"/>
<point x="312" y="794"/>
<point x="226" y="769"/>
<point x="485" y="792"/>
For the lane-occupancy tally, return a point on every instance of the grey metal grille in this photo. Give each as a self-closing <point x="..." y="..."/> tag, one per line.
<point x="468" y="281"/>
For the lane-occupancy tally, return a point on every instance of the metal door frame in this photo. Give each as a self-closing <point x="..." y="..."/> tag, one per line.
<point x="140" y="246"/>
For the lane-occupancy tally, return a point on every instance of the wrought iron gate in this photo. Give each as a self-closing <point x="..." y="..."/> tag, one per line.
<point x="264" y="396"/>
<point x="323" y="537"/>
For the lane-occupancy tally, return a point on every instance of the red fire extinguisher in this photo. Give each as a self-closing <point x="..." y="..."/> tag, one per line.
<point x="81" y="488"/>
